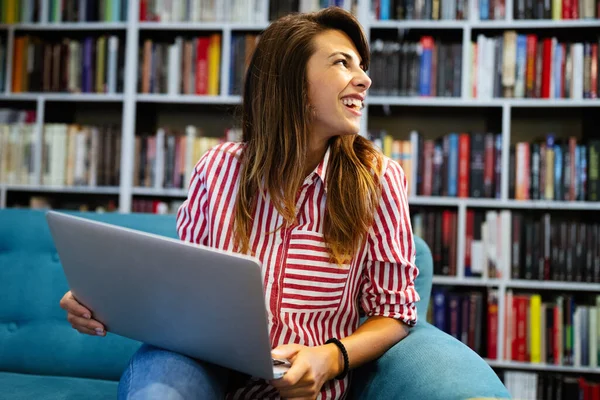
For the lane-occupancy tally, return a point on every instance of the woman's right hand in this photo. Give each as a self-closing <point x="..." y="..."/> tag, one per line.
<point x="80" y="317"/>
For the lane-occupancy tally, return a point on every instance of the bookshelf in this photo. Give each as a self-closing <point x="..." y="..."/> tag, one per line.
<point x="130" y="100"/>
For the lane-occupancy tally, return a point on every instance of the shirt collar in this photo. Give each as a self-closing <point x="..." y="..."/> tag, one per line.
<point x="321" y="169"/>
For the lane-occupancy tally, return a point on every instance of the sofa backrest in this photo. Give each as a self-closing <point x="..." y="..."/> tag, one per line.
<point x="35" y="336"/>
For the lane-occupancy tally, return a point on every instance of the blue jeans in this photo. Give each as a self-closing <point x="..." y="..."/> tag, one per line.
<point x="154" y="373"/>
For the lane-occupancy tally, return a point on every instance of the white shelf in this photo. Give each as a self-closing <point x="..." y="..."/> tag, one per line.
<point x="417" y="24"/>
<point x="68" y="26"/>
<point x="89" y="97"/>
<point x="430" y="101"/>
<point x="499" y="24"/>
<point x="536" y="24"/>
<point x="462" y="102"/>
<point x="201" y="26"/>
<point x="497" y="203"/>
<point x="465" y="281"/>
<point x="553" y="285"/>
<point x="516" y="283"/>
<point x="551" y="205"/>
<point x="542" y="367"/>
<point x="187" y="99"/>
<point x="142" y="191"/>
<point x="64" y="189"/>
<point x="552" y="102"/>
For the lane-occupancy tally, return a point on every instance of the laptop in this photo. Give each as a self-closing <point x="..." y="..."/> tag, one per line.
<point x="198" y="301"/>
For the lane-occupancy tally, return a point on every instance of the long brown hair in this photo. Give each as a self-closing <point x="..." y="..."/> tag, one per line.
<point x="276" y="128"/>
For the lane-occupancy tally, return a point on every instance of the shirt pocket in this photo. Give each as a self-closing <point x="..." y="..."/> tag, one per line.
<point x="311" y="282"/>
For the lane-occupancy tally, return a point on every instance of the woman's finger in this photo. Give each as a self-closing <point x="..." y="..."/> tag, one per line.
<point x="87" y="331"/>
<point x="90" y="324"/>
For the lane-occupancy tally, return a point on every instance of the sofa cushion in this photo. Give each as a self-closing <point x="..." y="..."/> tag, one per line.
<point x="26" y="387"/>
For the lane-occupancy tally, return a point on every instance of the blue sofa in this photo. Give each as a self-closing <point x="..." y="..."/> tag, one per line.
<point x="42" y="357"/>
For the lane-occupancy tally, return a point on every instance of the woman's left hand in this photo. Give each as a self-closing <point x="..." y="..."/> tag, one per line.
<point x="311" y="368"/>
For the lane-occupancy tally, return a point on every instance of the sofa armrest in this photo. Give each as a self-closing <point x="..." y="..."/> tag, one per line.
<point x="427" y="364"/>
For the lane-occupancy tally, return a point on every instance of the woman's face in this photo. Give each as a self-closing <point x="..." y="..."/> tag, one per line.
<point x="337" y="86"/>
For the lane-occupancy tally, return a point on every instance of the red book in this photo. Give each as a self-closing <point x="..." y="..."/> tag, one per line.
<point x="489" y="160"/>
<point x="464" y="158"/>
<point x="519" y="348"/>
<point x="492" y="325"/>
<point x="546" y="67"/>
<point x="595" y="391"/>
<point x="574" y="9"/>
<point x="470" y="227"/>
<point x="143" y="9"/>
<point x="202" y="46"/>
<point x="557" y="329"/>
<point x="566" y="9"/>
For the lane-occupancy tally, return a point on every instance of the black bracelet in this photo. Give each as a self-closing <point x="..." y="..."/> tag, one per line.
<point x="340" y="346"/>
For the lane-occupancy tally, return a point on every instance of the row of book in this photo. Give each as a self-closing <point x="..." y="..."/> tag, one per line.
<point x="456" y="165"/>
<point x="98" y="204"/>
<point x="549" y="386"/>
<point x="555" y="170"/>
<point x="438" y="228"/>
<point x="192" y="66"/>
<point x="154" y="206"/>
<point x="527" y="246"/>
<point x="167" y="158"/>
<point x="556" y="9"/>
<point x="17" y="153"/>
<point x="468" y="316"/>
<point x="75" y="65"/>
<point x="425" y="68"/>
<point x="56" y="11"/>
<point x="247" y="11"/>
<point x="558" y="330"/>
<point x="531" y="66"/>
<point x="384" y="10"/>
<point x="17" y="138"/>
<point x="72" y="155"/>
<point x="81" y="155"/>
<point x="278" y="9"/>
<point x="396" y="149"/>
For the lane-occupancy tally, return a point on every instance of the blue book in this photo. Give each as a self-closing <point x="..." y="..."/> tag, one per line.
<point x="484" y="10"/>
<point x="576" y="172"/>
<point x="453" y="164"/>
<point x="582" y="168"/>
<point x="425" y="66"/>
<point x="558" y="169"/>
<point x="384" y="10"/>
<point x="439" y="309"/>
<point x="521" y="62"/>
<point x="558" y="57"/>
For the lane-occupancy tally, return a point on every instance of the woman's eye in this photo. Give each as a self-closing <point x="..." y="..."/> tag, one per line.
<point x="343" y="62"/>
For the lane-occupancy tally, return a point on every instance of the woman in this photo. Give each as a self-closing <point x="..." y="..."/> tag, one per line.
<point x="323" y="210"/>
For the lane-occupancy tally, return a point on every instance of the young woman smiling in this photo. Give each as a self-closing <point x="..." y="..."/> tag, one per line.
<point x="323" y="210"/>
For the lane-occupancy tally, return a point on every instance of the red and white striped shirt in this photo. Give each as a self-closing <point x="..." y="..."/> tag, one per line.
<point x="308" y="299"/>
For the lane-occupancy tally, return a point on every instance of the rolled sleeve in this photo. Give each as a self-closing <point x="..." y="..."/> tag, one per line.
<point x="389" y="273"/>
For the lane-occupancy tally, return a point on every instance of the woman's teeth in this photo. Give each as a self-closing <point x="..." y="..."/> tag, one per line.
<point x="351" y="102"/>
